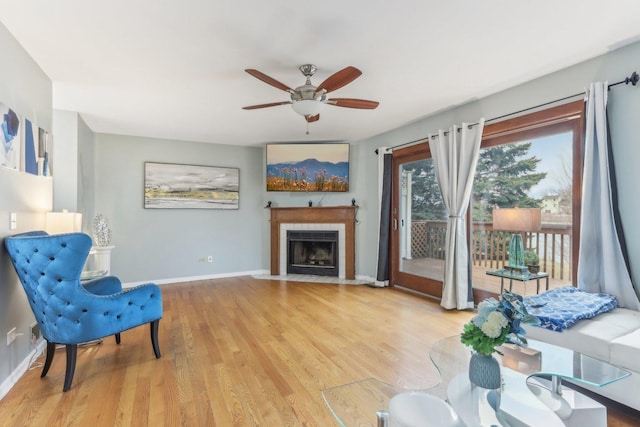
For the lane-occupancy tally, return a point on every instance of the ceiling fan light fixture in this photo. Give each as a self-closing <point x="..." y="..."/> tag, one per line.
<point x="307" y="107"/>
<point x="309" y="100"/>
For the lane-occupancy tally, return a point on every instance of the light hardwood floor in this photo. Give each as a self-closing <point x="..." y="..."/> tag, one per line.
<point x="243" y="352"/>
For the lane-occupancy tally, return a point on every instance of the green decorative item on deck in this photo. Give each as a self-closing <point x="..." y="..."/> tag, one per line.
<point x="532" y="261"/>
<point x="517" y="221"/>
<point x="531" y="258"/>
<point x="516" y="251"/>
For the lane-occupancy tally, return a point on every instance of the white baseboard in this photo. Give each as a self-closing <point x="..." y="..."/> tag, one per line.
<point x="220" y="276"/>
<point x="195" y="278"/>
<point x="14" y="376"/>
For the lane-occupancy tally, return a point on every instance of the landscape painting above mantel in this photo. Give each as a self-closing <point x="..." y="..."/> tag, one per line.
<point x="176" y="186"/>
<point x="318" y="167"/>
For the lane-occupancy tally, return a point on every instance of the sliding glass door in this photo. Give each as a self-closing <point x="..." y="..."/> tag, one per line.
<point x="418" y="222"/>
<point x="529" y="161"/>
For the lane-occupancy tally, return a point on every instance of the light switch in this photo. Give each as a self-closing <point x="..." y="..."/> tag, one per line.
<point x="13" y="221"/>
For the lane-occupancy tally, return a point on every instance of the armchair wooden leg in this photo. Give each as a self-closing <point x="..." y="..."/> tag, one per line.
<point x="154" y="337"/>
<point x="51" y="351"/>
<point x="118" y="338"/>
<point x="72" y="352"/>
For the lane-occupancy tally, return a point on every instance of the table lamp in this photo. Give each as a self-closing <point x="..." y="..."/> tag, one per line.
<point x="63" y="222"/>
<point x="517" y="221"/>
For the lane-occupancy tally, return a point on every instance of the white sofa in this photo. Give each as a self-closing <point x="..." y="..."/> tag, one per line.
<point x="613" y="337"/>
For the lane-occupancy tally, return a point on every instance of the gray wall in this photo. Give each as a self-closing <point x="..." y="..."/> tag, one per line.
<point x="73" y="162"/>
<point x="624" y="105"/>
<point x="86" y="174"/>
<point x="168" y="244"/>
<point x="65" y="161"/>
<point x="27" y="90"/>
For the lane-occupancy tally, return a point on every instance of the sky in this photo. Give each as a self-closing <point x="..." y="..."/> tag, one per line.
<point x="282" y="153"/>
<point x="555" y="152"/>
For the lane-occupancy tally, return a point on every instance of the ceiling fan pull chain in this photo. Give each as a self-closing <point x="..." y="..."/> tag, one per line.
<point x="307" y="128"/>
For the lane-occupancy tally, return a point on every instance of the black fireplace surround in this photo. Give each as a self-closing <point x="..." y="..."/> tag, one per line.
<point x="312" y="252"/>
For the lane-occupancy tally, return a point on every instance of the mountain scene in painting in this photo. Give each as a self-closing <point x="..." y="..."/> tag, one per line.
<point x="308" y="175"/>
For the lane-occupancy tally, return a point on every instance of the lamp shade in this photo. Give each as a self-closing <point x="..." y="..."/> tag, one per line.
<point x="307" y="107"/>
<point x="63" y="222"/>
<point x="516" y="219"/>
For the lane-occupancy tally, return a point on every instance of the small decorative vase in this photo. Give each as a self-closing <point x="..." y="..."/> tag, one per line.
<point x="484" y="371"/>
<point x="101" y="230"/>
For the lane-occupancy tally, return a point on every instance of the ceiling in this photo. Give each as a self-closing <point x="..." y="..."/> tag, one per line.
<point x="175" y="69"/>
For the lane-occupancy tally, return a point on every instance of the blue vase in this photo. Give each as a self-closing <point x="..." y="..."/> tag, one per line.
<point x="516" y="251"/>
<point x="484" y="371"/>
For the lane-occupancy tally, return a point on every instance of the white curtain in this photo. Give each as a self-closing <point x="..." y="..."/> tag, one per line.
<point x="384" y="207"/>
<point x="455" y="156"/>
<point x="601" y="264"/>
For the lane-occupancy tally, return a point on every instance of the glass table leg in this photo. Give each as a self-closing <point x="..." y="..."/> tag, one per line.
<point x="556" y="384"/>
<point x="383" y="418"/>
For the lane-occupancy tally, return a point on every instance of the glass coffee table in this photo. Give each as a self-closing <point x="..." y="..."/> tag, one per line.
<point x="530" y="398"/>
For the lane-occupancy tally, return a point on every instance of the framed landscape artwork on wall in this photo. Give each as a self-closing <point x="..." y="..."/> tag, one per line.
<point x="317" y="167"/>
<point x="177" y="186"/>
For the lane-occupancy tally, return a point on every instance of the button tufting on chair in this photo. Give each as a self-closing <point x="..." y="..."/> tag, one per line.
<point x="58" y="290"/>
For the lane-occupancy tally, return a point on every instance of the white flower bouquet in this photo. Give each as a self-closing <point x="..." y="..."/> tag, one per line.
<point x="496" y="323"/>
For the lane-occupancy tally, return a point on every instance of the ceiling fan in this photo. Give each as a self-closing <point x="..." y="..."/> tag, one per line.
<point x="308" y="100"/>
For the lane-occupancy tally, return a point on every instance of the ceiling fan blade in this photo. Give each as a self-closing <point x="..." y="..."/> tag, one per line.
<point x="353" y="103"/>
<point x="311" y="119"/>
<point x="339" y="79"/>
<point x="268" y="80"/>
<point x="272" y="104"/>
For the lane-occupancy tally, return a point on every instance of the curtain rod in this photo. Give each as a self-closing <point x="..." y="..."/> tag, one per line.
<point x="633" y="79"/>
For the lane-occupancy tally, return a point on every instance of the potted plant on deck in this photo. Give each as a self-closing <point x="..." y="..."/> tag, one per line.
<point x="532" y="261"/>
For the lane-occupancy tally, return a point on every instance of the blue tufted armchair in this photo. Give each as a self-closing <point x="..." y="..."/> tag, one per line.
<point x="69" y="312"/>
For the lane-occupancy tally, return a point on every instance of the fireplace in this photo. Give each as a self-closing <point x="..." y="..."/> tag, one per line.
<point x="312" y="252"/>
<point x="323" y="218"/>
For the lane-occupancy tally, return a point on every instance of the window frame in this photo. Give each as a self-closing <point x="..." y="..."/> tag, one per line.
<point x="567" y="117"/>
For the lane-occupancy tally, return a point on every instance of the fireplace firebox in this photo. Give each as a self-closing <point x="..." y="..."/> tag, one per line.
<point x="312" y="252"/>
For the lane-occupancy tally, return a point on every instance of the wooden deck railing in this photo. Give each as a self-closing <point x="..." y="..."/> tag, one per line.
<point x="489" y="247"/>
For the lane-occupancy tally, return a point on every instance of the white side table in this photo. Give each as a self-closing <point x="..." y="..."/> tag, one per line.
<point x="101" y="258"/>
